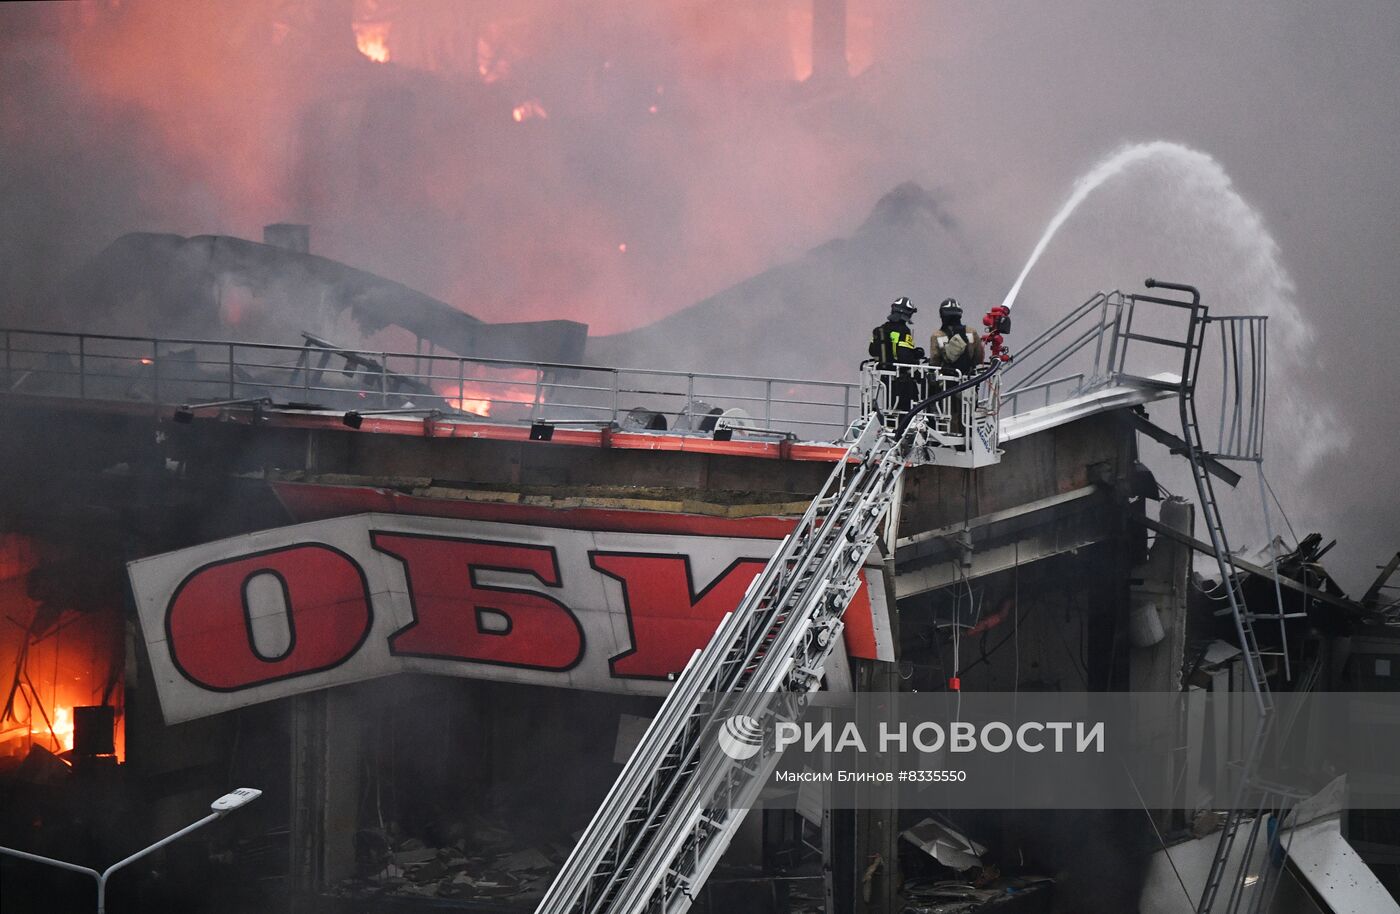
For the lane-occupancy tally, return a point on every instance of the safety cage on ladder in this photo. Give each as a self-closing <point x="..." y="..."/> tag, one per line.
<point x="965" y="426"/>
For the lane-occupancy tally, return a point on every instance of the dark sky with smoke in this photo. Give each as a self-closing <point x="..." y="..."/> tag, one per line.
<point x="196" y="117"/>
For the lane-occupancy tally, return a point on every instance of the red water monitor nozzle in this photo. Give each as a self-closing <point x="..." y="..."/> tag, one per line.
<point x="997" y="321"/>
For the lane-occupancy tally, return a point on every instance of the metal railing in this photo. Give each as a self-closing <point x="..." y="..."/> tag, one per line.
<point x="951" y="421"/>
<point x="1120" y="338"/>
<point x="1093" y="338"/>
<point x="321" y="375"/>
<point x="1070" y="384"/>
<point x="1095" y="322"/>
<point x="1084" y="350"/>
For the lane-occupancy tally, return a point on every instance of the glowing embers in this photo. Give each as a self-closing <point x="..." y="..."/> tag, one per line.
<point x="528" y="110"/>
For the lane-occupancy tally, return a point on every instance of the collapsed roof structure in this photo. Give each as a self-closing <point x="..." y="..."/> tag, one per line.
<point x="210" y="285"/>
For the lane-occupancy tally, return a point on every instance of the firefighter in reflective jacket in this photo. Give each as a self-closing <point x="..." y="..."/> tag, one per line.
<point x="891" y="345"/>
<point x="955" y="347"/>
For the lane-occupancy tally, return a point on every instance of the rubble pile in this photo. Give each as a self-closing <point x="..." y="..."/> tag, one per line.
<point x="980" y="885"/>
<point x="958" y="897"/>
<point x="486" y="863"/>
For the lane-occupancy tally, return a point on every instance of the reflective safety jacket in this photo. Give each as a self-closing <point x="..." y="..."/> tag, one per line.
<point x="892" y="343"/>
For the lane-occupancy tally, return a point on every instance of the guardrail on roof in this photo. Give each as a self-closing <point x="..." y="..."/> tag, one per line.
<point x="320" y="375"/>
<point x="1085" y="350"/>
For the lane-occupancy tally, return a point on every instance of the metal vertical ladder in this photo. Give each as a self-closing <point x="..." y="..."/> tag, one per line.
<point x="1210" y="509"/>
<point x="680" y="798"/>
<point x="1250" y="788"/>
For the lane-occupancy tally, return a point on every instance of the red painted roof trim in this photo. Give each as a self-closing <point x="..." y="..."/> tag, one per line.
<point x="417" y="427"/>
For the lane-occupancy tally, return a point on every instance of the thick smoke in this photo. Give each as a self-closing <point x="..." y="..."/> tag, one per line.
<point x="661" y="151"/>
<point x="508" y="151"/>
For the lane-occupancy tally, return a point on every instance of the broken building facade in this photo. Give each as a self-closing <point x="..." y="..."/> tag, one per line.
<point x="453" y="744"/>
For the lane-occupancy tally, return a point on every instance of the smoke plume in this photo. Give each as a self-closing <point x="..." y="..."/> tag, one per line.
<point x="616" y="162"/>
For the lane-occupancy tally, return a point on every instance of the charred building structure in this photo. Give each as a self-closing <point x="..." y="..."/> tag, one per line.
<point x="428" y="603"/>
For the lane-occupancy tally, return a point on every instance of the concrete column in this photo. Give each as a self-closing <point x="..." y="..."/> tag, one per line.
<point x="326" y="744"/>
<point x="1162" y="583"/>
<point x="1157" y="644"/>
<point x="308" y="730"/>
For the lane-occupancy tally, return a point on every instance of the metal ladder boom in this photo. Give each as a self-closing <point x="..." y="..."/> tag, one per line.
<point x="680" y="798"/>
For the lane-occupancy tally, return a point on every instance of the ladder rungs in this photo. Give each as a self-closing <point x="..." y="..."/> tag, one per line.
<point x="1244" y="616"/>
<point x="816" y="562"/>
<point x="1160" y="340"/>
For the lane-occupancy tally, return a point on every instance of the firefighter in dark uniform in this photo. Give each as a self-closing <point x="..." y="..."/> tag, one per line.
<point x="892" y="344"/>
<point x="955" y="349"/>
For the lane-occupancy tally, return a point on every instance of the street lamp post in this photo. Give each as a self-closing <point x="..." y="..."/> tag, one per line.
<point x="220" y="808"/>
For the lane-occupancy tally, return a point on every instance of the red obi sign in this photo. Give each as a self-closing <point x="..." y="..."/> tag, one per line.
<point x="270" y="614"/>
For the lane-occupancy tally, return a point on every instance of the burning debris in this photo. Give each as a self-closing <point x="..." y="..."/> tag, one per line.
<point x="60" y="658"/>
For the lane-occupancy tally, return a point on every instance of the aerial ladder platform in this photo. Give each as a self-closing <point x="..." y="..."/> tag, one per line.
<point x="681" y="796"/>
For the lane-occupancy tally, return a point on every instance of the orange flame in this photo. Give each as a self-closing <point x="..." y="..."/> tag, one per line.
<point x="58" y="731"/>
<point x="468" y="405"/>
<point x="59" y="673"/>
<point x="483" y="394"/>
<point x="468" y="397"/>
<point x="63" y="727"/>
<point x="372" y="39"/>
